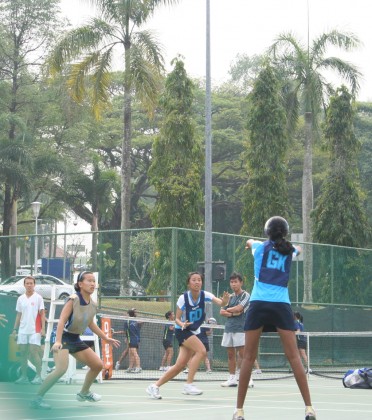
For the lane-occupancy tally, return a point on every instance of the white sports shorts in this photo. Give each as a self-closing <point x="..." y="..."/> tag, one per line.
<point x="29" y="339"/>
<point x="233" y="339"/>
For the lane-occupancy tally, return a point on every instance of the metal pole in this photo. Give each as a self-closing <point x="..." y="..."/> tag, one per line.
<point x="36" y="250"/>
<point x="208" y="161"/>
<point x="64" y="250"/>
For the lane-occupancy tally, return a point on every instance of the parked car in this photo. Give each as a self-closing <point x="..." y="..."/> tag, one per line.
<point x="111" y="287"/>
<point x="44" y="283"/>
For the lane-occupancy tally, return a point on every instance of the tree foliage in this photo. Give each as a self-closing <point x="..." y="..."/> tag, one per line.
<point x="340" y="217"/>
<point x="265" y="194"/>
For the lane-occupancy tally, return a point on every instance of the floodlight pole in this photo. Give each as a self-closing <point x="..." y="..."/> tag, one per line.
<point x="208" y="161"/>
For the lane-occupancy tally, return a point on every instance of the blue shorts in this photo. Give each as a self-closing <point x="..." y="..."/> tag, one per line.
<point x="270" y="316"/>
<point x="73" y="343"/>
<point x="182" y="335"/>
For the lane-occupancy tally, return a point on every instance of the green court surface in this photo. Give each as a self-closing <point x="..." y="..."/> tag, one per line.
<point x="126" y="399"/>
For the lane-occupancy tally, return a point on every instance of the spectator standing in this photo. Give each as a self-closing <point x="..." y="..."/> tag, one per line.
<point x="234" y="336"/>
<point x="29" y="328"/>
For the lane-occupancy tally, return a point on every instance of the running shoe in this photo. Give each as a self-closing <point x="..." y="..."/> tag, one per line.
<point x="208" y="371"/>
<point x="22" y="381"/>
<point x="257" y="371"/>
<point x="90" y="397"/>
<point x="191" y="389"/>
<point x="162" y="368"/>
<point x="39" y="404"/>
<point x="310" y="413"/>
<point x="238" y="414"/>
<point x="251" y="384"/>
<point x="186" y="370"/>
<point x="137" y="370"/>
<point x="37" y="380"/>
<point x="230" y="382"/>
<point x="117" y="365"/>
<point x="130" y="370"/>
<point x="153" y="391"/>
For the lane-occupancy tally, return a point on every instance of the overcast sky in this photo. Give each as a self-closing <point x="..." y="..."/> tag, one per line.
<point x="249" y="27"/>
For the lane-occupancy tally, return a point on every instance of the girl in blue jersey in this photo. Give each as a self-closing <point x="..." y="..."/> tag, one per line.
<point x="77" y="314"/>
<point x="270" y="309"/>
<point x="190" y="316"/>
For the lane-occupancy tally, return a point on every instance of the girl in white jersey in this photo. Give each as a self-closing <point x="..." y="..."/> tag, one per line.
<point x="77" y="314"/>
<point x="270" y="309"/>
<point x="190" y="316"/>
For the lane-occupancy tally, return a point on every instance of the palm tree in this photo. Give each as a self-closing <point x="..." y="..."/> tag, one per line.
<point x="303" y="65"/>
<point x="94" y="44"/>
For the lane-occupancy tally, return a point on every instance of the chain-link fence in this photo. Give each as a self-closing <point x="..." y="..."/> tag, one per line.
<point x="158" y="261"/>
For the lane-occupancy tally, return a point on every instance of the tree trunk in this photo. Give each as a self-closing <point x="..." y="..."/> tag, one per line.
<point x="126" y="178"/>
<point x="94" y="229"/>
<point x="307" y="207"/>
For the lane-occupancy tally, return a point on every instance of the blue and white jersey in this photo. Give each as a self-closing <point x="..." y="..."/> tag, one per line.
<point x="271" y="272"/>
<point x="300" y="326"/>
<point x="193" y="311"/>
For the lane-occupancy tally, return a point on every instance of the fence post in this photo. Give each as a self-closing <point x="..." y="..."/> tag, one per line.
<point x="174" y="268"/>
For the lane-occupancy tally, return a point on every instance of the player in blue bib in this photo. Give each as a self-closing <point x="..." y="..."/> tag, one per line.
<point x="190" y="316"/>
<point x="270" y="309"/>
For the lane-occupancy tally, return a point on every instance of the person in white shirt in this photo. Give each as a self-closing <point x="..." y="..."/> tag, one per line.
<point x="29" y="327"/>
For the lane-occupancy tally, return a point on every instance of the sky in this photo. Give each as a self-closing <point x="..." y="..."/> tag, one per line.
<point x="249" y="27"/>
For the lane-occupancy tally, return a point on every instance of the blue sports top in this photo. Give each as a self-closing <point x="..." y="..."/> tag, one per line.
<point x="271" y="273"/>
<point x="133" y="331"/>
<point x="193" y="311"/>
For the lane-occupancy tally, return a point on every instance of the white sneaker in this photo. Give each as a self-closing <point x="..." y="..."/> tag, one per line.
<point x="137" y="370"/>
<point x="186" y="370"/>
<point x="22" y="381"/>
<point x="257" y="371"/>
<point x="162" y="368"/>
<point x="117" y="365"/>
<point x="310" y="413"/>
<point x="166" y="368"/>
<point x="191" y="389"/>
<point x="37" y="380"/>
<point x="230" y="382"/>
<point x="208" y="371"/>
<point x="251" y="384"/>
<point x="90" y="397"/>
<point x="85" y="367"/>
<point x="238" y="414"/>
<point x="153" y="391"/>
<point x="39" y="404"/>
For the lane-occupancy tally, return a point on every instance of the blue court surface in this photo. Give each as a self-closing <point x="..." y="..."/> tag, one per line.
<point x="127" y="399"/>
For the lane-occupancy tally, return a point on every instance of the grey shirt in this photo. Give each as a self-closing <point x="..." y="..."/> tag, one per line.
<point x="235" y="324"/>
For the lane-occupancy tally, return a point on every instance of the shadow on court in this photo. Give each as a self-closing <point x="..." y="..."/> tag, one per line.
<point x="279" y="400"/>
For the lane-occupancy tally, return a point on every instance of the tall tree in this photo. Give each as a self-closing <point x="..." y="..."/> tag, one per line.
<point x="304" y="66"/>
<point x="266" y="192"/>
<point x="94" y="44"/>
<point x="340" y="216"/>
<point x="176" y="170"/>
<point x="26" y="32"/>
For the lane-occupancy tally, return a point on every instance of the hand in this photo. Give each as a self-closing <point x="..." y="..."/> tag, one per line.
<point x="113" y="342"/>
<point x="57" y="346"/>
<point x="186" y="324"/>
<point x="225" y="298"/>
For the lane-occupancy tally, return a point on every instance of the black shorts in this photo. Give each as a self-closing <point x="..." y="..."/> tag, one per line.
<point x="182" y="335"/>
<point x="73" y="343"/>
<point x="270" y="316"/>
<point x="133" y="345"/>
<point x="301" y="344"/>
<point x="206" y="345"/>
<point x="167" y="344"/>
